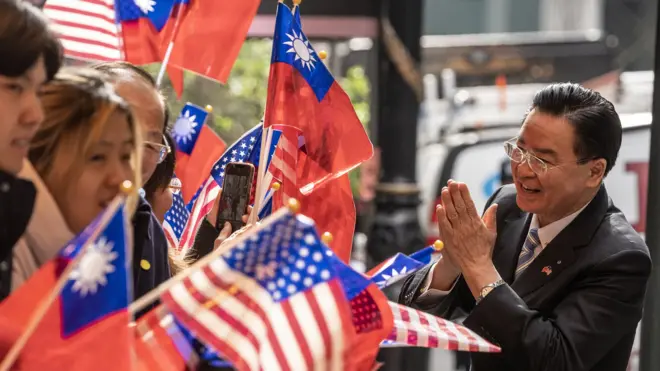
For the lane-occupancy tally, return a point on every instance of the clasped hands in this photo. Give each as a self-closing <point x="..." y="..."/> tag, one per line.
<point x="468" y="238"/>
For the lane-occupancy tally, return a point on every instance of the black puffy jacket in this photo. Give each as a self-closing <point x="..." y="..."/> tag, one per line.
<point x="17" y="198"/>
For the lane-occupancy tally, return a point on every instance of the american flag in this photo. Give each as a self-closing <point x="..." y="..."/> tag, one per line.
<point x="175" y="219"/>
<point x="87" y="28"/>
<point x="283" y="167"/>
<point x="416" y="328"/>
<point x="246" y="149"/>
<point x="272" y="302"/>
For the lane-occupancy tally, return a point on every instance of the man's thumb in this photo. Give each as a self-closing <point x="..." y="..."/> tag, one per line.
<point x="490" y="218"/>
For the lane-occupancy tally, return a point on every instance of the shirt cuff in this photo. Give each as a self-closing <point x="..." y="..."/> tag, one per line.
<point x="425" y="290"/>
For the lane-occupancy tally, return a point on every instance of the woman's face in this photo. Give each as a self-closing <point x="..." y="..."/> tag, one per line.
<point x="101" y="173"/>
<point x="20" y="115"/>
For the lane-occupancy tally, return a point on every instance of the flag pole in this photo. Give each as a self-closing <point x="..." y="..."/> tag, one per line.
<point x="261" y="189"/>
<point x="170" y="46"/>
<point x="45" y="304"/>
<point x="153" y="295"/>
<point x="263" y="159"/>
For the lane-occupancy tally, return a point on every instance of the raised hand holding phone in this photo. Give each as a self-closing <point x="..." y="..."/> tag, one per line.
<point x="231" y="209"/>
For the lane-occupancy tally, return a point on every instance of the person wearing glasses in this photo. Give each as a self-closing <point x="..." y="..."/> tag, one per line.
<point x="150" y="249"/>
<point x="552" y="272"/>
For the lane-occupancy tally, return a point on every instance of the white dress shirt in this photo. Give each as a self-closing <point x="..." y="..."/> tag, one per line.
<point x="546" y="234"/>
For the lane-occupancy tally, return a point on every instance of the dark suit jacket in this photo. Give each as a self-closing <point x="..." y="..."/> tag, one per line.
<point x="580" y="314"/>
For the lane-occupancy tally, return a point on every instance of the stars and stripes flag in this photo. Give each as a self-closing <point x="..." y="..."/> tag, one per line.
<point x="272" y="302"/>
<point x="282" y="169"/>
<point x="87" y="28"/>
<point x="175" y="218"/>
<point x="246" y="149"/>
<point x="416" y="328"/>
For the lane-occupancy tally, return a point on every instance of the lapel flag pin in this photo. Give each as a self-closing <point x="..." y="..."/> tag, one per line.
<point x="547" y="270"/>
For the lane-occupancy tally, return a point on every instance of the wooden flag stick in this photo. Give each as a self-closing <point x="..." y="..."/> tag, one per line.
<point x="154" y="294"/>
<point x="45" y="304"/>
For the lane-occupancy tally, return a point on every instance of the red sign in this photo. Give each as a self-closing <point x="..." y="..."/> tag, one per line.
<point x="641" y="170"/>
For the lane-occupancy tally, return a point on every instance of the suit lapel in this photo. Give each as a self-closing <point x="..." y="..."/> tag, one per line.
<point x="560" y="252"/>
<point x="509" y="243"/>
<point x="551" y="261"/>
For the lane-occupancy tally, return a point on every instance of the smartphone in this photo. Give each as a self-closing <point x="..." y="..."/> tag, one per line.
<point x="236" y="192"/>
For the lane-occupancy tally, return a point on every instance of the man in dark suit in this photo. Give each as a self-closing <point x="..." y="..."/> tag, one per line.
<point x="553" y="272"/>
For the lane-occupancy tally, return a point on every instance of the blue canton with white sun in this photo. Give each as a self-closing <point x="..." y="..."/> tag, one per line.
<point x="187" y="127"/>
<point x="291" y="46"/>
<point x="98" y="284"/>
<point x="285" y="258"/>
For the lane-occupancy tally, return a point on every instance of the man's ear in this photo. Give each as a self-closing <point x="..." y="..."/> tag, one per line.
<point x="597" y="171"/>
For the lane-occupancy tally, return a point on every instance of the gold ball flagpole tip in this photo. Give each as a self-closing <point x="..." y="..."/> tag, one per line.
<point x="438" y="245"/>
<point x="327" y="238"/>
<point x="294" y="205"/>
<point x="209" y="108"/>
<point x="126" y="187"/>
<point x="323" y="54"/>
<point x="276" y="186"/>
<point x="297" y="2"/>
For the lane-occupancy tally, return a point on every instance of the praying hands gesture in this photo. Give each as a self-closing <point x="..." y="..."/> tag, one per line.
<point x="468" y="238"/>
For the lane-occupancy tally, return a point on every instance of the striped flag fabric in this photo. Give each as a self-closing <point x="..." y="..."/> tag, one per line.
<point x="87" y="28"/>
<point x="416" y="328"/>
<point x="176" y="217"/>
<point x="274" y="302"/>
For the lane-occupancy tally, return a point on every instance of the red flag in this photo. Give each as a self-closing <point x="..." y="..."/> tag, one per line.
<point x="332" y="208"/>
<point x="91" y="308"/>
<point x="302" y="93"/>
<point x="371" y="316"/>
<point x="372" y="321"/>
<point x="331" y="205"/>
<point x="195" y="168"/>
<point x="210" y="36"/>
<point x="157" y="342"/>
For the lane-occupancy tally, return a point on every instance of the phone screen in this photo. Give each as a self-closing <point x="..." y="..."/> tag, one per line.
<point x="236" y="190"/>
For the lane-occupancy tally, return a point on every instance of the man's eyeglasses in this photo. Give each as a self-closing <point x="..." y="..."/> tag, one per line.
<point x="538" y="166"/>
<point x="161" y="149"/>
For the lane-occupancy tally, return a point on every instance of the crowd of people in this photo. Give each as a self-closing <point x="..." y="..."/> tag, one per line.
<point x="69" y="137"/>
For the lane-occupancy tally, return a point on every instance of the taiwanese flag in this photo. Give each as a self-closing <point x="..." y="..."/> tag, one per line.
<point x="86" y="327"/>
<point x="371" y="316"/>
<point x="332" y="207"/>
<point x="198" y="147"/>
<point x="147" y="29"/>
<point x="302" y="93"/>
<point x="210" y="35"/>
